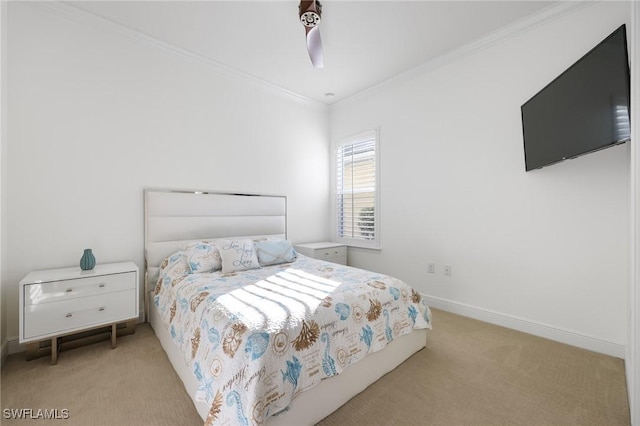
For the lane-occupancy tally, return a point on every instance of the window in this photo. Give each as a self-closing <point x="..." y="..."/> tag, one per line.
<point x="357" y="195"/>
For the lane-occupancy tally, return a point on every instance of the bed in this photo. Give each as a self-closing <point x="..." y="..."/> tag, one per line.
<point x="286" y="341"/>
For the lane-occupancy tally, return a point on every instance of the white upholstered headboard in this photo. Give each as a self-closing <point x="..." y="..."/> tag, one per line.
<point x="173" y="218"/>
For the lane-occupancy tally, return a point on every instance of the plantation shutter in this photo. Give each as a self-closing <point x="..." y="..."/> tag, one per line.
<point x="356" y="178"/>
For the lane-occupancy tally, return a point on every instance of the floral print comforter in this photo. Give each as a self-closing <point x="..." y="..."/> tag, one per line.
<point x="255" y="339"/>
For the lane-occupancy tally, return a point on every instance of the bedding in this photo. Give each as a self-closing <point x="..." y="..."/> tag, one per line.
<point x="255" y="339"/>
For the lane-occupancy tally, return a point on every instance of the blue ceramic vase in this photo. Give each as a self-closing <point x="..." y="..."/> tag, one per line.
<point x="88" y="260"/>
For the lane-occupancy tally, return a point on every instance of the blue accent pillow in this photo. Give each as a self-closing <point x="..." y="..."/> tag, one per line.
<point x="275" y="252"/>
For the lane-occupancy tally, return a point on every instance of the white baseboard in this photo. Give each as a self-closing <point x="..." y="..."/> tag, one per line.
<point x="4" y="351"/>
<point x="530" y="327"/>
<point x="14" y="346"/>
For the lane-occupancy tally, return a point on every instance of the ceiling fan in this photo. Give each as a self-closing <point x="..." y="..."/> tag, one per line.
<point x="310" y="12"/>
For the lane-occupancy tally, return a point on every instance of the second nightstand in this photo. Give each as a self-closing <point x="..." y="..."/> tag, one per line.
<point x="331" y="252"/>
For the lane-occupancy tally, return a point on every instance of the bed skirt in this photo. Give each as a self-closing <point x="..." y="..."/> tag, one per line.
<point x="333" y="392"/>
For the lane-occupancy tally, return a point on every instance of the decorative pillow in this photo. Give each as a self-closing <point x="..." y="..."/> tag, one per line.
<point x="275" y="252"/>
<point x="237" y="255"/>
<point x="267" y="238"/>
<point x="203" y="257"/>
<point x="172" y="266"/>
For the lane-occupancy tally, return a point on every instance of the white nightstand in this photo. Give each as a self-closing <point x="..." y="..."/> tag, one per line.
<point x="60" y="302"/>
<point x="331" y="252"/>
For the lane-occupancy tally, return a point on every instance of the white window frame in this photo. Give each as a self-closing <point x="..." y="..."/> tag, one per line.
<point x="373" y="243"/>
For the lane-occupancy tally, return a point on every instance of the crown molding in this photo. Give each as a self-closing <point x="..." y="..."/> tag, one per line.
<point x="78" y="16"/>
<point x="82" y="17"/>
<point x="528" y="23"/>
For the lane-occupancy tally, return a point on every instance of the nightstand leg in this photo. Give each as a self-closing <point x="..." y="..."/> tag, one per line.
<point x="113" y="336"/>
<point x="54" y="350"/>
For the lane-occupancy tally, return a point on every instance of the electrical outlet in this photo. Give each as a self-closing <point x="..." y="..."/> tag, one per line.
<point x="447" y="270"/>
<point x="431" y="268"/>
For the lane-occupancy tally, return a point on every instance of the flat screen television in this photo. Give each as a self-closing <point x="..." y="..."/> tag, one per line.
<point x="585" y="109"/>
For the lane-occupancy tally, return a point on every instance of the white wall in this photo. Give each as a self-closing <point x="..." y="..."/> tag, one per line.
<point x="632" y="359"/>
<point x="3" y="132"/>
<point x="97" y="116"/>
<point x="548" y="248"/>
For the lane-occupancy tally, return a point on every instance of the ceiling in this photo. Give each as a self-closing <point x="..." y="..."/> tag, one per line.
<point x="365" y="42"/>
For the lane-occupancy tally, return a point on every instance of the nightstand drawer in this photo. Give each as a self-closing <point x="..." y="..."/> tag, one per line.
<point x="59" y="291"/>
<point x="331" y="253"/>
<point x="48" y="319"/>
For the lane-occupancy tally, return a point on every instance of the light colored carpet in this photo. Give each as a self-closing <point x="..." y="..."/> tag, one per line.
<point x="133" y="384"/>
<point x="474" y="373"/>
<point x="470" y="373"/>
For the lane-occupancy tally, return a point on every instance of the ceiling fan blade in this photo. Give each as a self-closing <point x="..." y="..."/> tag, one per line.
<point x="314" y="47"/>
<point x="310" y="12"/>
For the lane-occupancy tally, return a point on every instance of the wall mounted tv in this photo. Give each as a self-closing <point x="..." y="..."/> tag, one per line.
<point x="583" y="110"/>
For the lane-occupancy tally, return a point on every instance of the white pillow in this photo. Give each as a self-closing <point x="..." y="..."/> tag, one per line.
<point x="275" y="252"/>
<point x="203" y="257"/>
<point x="237" y="255"/>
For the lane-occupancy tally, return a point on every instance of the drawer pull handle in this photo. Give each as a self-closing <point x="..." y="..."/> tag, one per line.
<point x="69" y="290"/>
<point x="101" y="308"/>
<point x="101" y="285"/>
<point x="69" y="315"/>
